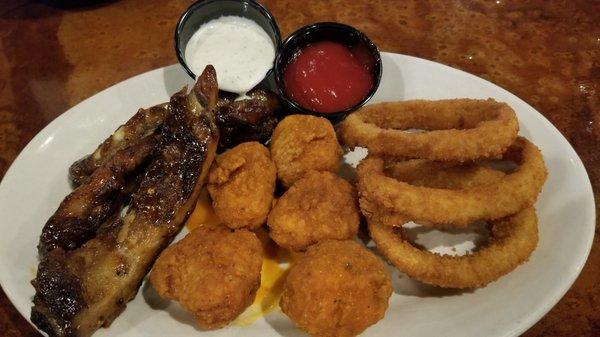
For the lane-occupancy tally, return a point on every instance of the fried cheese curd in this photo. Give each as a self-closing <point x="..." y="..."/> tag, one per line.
<point x="213" y="273"/>
<point x="336" y="289"/>
<point x="241" y="184"/>
<point x="321" y="206"/>
<point x="301" y="143"/>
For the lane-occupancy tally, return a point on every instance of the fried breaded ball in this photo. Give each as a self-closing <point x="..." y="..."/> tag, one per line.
<point x="301" y="143"/>
<point x="213" y="273"/>
<point x="241" y="183"/>
<point x="318" y="207"/>
<point x="336" y="289"/>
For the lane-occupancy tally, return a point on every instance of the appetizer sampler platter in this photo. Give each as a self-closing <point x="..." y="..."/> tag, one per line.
<point x="37" y="182"/>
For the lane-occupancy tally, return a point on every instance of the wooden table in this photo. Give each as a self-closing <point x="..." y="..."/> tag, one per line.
<point x="546" y="52"/>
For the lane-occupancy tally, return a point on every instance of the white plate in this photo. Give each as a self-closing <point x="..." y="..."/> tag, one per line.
<point x="37" y="182"/>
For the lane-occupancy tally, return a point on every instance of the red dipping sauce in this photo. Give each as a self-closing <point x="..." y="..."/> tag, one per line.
<point x="328" y="77"/>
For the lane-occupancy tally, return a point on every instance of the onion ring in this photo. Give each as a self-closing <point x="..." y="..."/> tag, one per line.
<point x="457" y="207"/>
<point x="429" y="174"/>
<point x="512" y="240"/>
<point x="455" y="130"/>
<point x="426" y="173"/>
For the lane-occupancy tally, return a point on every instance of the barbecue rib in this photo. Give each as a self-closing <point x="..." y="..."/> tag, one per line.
<point x="142" y="124"/>
<point x="87" y="207"/>
<point x="250" y="119"/>
<point x="81" y="290"/>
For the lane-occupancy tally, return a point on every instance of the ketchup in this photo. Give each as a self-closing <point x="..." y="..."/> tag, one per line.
<point x="328" y="77"/>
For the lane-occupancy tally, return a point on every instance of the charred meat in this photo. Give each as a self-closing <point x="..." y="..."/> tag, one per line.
<point x="144" y="123"/>
<point x="250" y="119"/>
<point x="88" y="206"/>
<point x="79" y="291"/>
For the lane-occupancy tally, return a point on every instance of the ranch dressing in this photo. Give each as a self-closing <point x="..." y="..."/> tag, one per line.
<point x="239" y="49"/>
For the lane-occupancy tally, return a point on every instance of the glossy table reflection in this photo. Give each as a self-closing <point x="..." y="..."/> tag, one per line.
<point x="547" y="53"/>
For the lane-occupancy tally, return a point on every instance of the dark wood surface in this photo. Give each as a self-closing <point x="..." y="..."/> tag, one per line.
<point x="546" y="52"/>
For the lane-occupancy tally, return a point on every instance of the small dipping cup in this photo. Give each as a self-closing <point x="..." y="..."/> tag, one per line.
<point x="204" y="11"/>
<point x="326" y="31"/>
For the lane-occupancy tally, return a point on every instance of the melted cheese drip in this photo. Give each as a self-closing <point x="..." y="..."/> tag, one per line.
<point x="275" y="268"/>
<point x="203" y="215"/>
<point x="276" y="262"/>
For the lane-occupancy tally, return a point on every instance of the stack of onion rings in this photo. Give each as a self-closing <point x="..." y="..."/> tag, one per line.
<point x="450" y="184"/>
<point x="456" y="129"/>
<point x="427" y="174"/>
<point x="512" y="240"/>
<point x="457" y="207"/>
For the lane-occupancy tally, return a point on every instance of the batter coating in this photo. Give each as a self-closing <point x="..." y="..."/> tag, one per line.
<point x="241" y="184"/>
<point x="301" y="143"/>
<point x="337" y="289"/>
<point x="321" y="206"/>
<point x="213" y="273"/>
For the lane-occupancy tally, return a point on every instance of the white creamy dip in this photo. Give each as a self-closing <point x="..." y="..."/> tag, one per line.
<point x="239" y="49"/>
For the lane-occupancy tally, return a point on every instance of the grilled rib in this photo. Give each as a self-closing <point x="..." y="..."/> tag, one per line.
<point x="250" y="119"/>
<point x="79" y="291"/>
<point x="142" y="124"/>
<point x="81" y="212"/>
